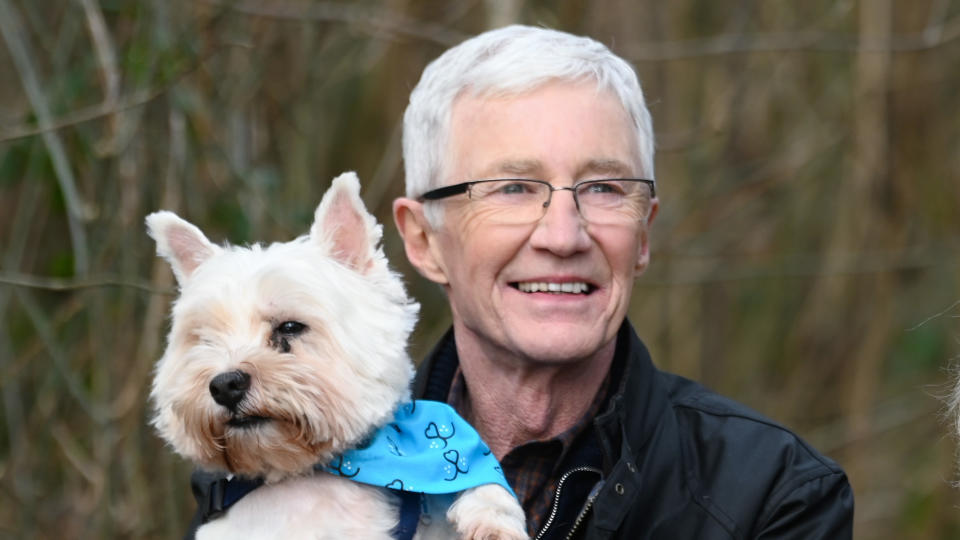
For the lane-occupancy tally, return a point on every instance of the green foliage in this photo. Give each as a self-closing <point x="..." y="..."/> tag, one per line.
<point x="14" y="162"/>
<point x="919" y="351"/>
<point x="226" y="215"/>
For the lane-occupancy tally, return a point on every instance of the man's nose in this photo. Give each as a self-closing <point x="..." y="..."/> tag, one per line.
<point x="561" y="230"/>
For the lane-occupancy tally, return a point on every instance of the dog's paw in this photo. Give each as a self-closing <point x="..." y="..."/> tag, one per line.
<point x="499" y="534"/>
<point x="488" y="512"/>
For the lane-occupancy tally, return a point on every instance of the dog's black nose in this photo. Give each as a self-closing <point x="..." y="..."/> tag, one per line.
<point x="229" y="388"/>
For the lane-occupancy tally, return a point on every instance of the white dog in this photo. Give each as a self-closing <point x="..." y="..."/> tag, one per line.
<point x="287" y="363"/>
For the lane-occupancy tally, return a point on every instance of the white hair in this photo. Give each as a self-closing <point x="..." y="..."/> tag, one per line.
<point x="503" y="62"/>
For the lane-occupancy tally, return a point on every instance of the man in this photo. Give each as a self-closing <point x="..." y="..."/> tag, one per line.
<point x="529" y="167"/>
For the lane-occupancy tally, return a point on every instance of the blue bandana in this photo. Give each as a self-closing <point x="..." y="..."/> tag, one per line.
<point x="427" y="448"/>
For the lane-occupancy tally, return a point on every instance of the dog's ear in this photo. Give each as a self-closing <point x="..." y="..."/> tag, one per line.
<point x="343" y="227"/>
<point x="180" y="243"/>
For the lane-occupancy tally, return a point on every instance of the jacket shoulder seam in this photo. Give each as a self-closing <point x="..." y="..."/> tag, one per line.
<point x="796" y="484"/>
<point x="713" y="510"/>
<point x="698" y="405"/>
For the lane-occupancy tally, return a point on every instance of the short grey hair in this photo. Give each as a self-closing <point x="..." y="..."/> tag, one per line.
<point x="503" y="62"/>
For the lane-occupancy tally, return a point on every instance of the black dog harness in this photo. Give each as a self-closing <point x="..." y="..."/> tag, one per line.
<point x="224" y="493"/>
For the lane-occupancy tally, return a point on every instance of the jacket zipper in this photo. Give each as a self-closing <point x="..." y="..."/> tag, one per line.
<point x="556" y="500"/>
<point x="586" y="510"/>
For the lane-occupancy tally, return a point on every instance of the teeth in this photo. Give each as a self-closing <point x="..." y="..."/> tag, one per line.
<point x="543" y="286"/>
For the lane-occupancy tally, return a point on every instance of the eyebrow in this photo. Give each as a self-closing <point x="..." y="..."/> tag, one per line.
<point x="519" y="167"/>
<point x="533" y="167"/>
<point x="605" y="166"/>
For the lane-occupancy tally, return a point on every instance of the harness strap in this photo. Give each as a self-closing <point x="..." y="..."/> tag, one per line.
<point x="409" y="515"/>
<point x="224" y="493"/>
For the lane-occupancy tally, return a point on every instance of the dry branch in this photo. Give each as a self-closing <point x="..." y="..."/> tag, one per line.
<point x="376" y="19"/>
<point x="61" y="284"/>
<point x="933" y="36"/>
<point x="23" y="58"/>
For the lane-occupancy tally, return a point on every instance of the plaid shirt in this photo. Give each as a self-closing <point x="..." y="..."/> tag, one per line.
<point x="533" y="468"/>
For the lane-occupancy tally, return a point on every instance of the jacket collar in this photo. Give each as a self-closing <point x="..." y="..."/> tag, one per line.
<point x="436" y="372"/>
<point x="637" y="406"/>
<point x="635" y="392"/>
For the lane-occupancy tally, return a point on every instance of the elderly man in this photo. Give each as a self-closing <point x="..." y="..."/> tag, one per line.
<point x="530" y="194"/>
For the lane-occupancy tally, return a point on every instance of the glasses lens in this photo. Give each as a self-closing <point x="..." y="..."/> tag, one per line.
<point x="614" y="201"/>
<point x="510" y="201"/>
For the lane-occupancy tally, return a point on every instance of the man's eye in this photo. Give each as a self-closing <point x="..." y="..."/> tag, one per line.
<point x="291" y="328"/>
<point x="514" y="188"/>
<point x="603" y="187"/>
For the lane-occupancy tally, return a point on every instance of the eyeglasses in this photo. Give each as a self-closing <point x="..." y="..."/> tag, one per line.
<point x="516" y="201"/>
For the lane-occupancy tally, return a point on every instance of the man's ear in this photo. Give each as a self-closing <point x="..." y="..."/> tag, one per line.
<point x="643" y="254"/>
<point x="418" y="239"/>
<point x="179" y="242"/>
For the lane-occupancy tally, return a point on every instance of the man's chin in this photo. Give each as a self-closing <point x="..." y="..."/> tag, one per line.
<point x="560" y="347"/>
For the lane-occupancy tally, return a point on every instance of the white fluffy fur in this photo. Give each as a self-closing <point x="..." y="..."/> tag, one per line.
<point x="316" y="506"/>
<point x="322" y="392"/>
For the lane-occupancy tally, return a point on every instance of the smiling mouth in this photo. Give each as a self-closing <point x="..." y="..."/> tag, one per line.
<point x="247" y="422"/>
<point x="569" y="287"/>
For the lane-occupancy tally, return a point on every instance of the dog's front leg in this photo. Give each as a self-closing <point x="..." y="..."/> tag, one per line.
<point x="488" y="512"/>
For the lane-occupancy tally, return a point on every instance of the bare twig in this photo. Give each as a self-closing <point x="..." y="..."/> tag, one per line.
<point x="935" y="22"/>
<point x="133" y="100"/>
<point x="943" y="313"/>
<point x="75" y="454"/>
<point x="84" y="115"/>
<point x="685" y="270"/>
<point x="89" y="469"/>
<point x="502" y="12"/>
<point x="888" y="415"/>
<point x="79" y="212"/>
<point x="11" y="394"/>
<point x="106" y="53"/>
<point x="130" y="393"/>
<point x="59" y="284"/>
<point x="933" y="36"/>
<point x="10" y="398"/>
<point x="379" y="21"/>
<point x="107" y="58"/>
<point x="75" y="388"/>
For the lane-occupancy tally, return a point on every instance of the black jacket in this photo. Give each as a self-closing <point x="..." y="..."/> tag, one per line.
<point x="669" y="459"/>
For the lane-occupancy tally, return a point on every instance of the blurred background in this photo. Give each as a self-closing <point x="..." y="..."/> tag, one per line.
<point x="806" y="260"/>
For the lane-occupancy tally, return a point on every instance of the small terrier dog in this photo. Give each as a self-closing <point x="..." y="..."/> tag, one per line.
<point x="283" y="357"/>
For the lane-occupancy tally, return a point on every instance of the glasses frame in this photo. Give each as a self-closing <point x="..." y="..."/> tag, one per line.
<point x="464" y="187"/>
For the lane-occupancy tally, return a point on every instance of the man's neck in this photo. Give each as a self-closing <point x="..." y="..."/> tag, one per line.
<point x="512" y="401"/>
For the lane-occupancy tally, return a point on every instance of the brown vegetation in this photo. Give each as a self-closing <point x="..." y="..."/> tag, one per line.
<point x="806" y="258"/>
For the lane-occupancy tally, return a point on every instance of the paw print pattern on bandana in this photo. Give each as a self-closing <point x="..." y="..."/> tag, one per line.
<point x="455" y="466"/>
<point x="344" y="467"/>
<point x="487" y="452"/>
<point x="427" y="448"/>
<point x="397" y="485"/>
<point x="437" y="434"/>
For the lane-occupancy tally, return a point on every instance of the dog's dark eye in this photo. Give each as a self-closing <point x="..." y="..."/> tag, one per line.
<point x="291" y="328"/>
<point x="285" y="331"/>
